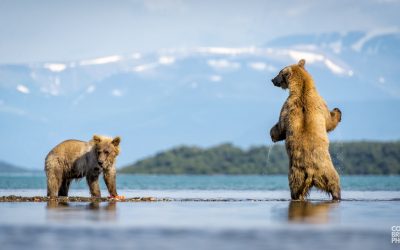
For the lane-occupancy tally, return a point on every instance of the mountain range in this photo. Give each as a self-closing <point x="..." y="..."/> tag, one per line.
<point x="8" y="168"/>
<point x="196" y="96"/>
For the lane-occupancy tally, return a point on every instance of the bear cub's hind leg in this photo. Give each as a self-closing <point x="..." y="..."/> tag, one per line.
<point x="53" y="183"/>
<point x="93" y="182"/>
<point x="64" y="187"/>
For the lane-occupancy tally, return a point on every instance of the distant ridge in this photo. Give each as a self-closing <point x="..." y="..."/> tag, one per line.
<point x="9" y="168"/>
<point x="350" y="158"/>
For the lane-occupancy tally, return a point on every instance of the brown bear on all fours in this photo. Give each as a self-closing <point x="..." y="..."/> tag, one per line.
<point x="73" y="159"/>
<point x="303" y="123"/>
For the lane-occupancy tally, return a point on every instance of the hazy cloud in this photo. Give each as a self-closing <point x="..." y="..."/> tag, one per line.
<point x="72" y="30"/>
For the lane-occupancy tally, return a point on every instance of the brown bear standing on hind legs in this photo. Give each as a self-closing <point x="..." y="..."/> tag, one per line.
<point x="73" y="159"/>
<point x="303" y="123"/>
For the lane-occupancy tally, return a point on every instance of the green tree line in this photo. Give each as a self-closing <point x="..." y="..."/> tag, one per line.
<point x="349" y="158"/>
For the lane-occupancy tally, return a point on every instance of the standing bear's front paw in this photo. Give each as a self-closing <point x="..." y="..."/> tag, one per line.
<point x="338" y="113"/>
<point x="274" y="134"/>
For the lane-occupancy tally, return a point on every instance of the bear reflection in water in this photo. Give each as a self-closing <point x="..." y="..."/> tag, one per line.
<point x="93" y="211"/>
<point x="309" y="212"/>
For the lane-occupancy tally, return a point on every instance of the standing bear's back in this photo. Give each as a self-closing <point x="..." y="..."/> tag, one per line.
<point x="303" y="124"/>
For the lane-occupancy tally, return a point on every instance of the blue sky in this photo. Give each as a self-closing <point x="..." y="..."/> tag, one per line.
<point x="46" y="30"/>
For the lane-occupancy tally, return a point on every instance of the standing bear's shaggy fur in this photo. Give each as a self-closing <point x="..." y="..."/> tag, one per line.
<point x="304" y="122"/>
<point x="73" y="159"/>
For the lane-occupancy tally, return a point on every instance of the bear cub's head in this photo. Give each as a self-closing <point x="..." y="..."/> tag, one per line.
<point x="107" y="150"/>
<point x="282" y="80"/>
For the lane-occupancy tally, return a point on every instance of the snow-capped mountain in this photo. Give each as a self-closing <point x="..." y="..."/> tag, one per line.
<point x="201" y="96"/>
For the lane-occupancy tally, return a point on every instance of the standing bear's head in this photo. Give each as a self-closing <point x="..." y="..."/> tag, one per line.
<point x="107" y="150"/>
<point x="289" y="74"/>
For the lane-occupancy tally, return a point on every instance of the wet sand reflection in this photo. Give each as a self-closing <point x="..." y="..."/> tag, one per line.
<point x="93" y="211"/>
<point x="310" y="212"/>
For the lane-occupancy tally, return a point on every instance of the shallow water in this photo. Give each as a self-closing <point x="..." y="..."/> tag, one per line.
<point x="363" y="220"/>
<point x="217" y="182"/>
<point x="199" y="225"/>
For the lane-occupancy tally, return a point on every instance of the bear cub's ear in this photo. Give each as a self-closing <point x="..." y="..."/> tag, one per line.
<point x="301" y="63"/>
<point x="116" y="141"/>
<point x="96" y="139"/>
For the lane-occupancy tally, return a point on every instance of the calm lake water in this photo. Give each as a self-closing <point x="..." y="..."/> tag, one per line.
<point x="251" y="212"/>
<point x="218" y="182"/>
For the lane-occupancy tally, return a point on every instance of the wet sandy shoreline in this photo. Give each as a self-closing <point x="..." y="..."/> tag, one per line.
<point x="16" y="198"/>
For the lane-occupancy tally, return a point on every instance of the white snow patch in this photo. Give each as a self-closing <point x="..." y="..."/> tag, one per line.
<point x="55" y="67"/>
<point x="90" y="89"/>
<point x="136" y="56"/>
<point x="53" y="88"/>
<point x="305" y="46"/>
<point x="310" y="57"/>
<point x="258" y="66"/>
<point x="223" y="64"/>
<point x="23" y="89"/>
<point x="116" y="93"/>
<point x="144" y="67"/>
<point x="334" y="67"/>
<point x="215" y="78"/>
<point x="166" y="60"/>
<point x="371" y="34"/>
<point x="226" y="50"/>
<point x="336" y="47"/>
<point x="261" y="66"/>
<point x="101" y="60"/>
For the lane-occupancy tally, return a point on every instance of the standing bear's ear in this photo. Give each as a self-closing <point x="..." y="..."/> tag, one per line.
<point x="96" y="139"/>
<point x="301" y="63"/>
<point x="116" y="141"/>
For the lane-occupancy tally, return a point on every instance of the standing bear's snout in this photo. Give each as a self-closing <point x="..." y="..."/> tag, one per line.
<point x="277" y="81"/>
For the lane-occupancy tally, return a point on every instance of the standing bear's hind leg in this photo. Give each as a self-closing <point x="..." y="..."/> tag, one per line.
<point x="329" y="182"/>
<point x="297" y="181"/>
<point x="308" y="183"/>
<point x="334" y="185"/>
<point x="336" y="193"/>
